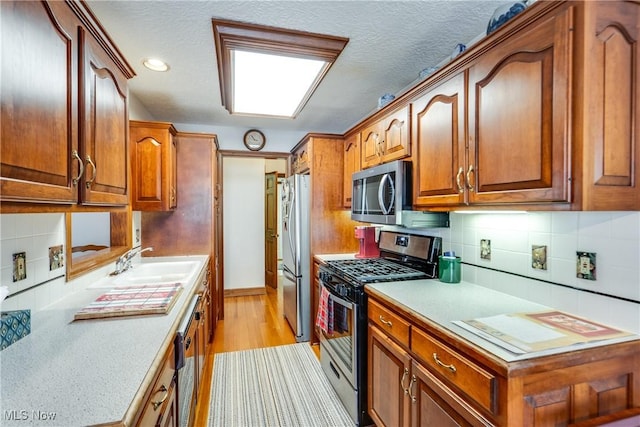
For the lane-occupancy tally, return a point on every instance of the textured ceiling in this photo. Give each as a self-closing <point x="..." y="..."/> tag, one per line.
<point x="390" y="42"/>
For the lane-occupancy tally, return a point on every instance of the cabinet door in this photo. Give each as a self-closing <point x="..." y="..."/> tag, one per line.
<point x="395" y="136"/>
<point x="104" y="126"/>
<point x="39" y="102"/>
<point x="434" y="404"/>
<point x="611" y="91"/>
<point x="351" y="165"/>
<point x="519" y="116"/>
<point x="153" y="166"/>
<point x="438" y="126"/>
<point x="389" y="377"/>
<point x="370" y="139"/>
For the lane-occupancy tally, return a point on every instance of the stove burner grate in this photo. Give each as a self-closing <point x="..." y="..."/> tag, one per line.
<point x="369" y="270"/>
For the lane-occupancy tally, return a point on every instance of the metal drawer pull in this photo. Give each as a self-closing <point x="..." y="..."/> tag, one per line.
<point x="449" y="367"/>
<point x="458" y="179"/>
<point x="95" y="171"/>
<point x="159" y="403"/>
<point x="469" y="172"/>
<point x="413" y="381"/>
<point x="75" y="155"/>
<point x="386" y="322"/>
<point x="404" y="375"/>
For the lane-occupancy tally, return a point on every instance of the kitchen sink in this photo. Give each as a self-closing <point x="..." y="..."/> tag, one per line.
<point x="151" y="273"/>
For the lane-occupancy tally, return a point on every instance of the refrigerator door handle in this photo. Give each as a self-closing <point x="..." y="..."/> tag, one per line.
<point x="288" y="274"/>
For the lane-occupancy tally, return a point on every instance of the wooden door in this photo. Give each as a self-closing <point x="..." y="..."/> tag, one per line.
<point x="519" y="115"/>
<point x="39" y="102"/>
<point x="104" y="126"/>
<point x="439" y="135"/>
<point x="271" y="229"/>
<point x="388" y="376"/>
<point x="396" y="141"/>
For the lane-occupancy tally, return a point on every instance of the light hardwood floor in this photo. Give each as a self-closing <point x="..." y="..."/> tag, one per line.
<point x="250" y="322"/>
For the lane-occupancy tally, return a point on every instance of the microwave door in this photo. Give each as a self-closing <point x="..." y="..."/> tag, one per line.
<point x="386" y="206"/>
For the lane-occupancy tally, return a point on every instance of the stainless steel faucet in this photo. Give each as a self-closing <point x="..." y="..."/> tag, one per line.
<point x="124" y="261"/>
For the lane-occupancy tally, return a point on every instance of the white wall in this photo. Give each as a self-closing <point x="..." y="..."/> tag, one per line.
<point x="243" y="204"/>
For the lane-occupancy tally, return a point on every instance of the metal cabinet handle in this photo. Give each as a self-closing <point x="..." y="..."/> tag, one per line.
<point x="450" y="367"/>
<point x="95" y="171"/>
<point x="413" y="381"/>
<point x="459" y="179"/>
<point x="75" y="155"/>
<point x="159" y="403"/>
<point x="404" y="375"/>
<point x="469" y="172"/>
<point x="386" y="322"/>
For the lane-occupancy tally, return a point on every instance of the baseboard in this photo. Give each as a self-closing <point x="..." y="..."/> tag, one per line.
<point x="245" y="292"/>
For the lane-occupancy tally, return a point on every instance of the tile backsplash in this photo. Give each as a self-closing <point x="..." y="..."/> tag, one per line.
<point x="613" y="298"/>
<point x="35" y="234"/>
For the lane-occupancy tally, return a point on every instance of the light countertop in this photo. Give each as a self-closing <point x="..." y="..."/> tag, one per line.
<point x="443" y="303"/>
<point x="77" y="373"/>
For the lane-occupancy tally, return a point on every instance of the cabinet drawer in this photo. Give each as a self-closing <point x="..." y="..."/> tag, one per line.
<point x="474" y="381"/>
<point x="161" y="391"/>
<point x="392" y="324"/>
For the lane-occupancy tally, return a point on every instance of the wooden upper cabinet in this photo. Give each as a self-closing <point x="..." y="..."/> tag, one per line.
<point x="104" y="127"/>
<point x="386" y="139"/>
<point x="39" y="104"/>
<point x="351" y="165"/>
<point x="608" y="119"/>
<point x="153" y="166"/>
<point x="519" y="116"/>
<point x="64" y="107"/>
<point x="438" y="126"/>
<point x="300" y="162"/>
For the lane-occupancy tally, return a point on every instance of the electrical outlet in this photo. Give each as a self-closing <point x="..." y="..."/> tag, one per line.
<point x="56" y="257"/>
<point x="539" y="257"/>
<point x="586" y="265"/>
<point x="137" y="235"/>
<point x="485" y="249"/>
<point x="19" y="266"/>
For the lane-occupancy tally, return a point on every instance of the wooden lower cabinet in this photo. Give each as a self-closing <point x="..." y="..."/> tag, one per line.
<point x="436" y="379"/>
<point x="160" y="407"/>
<point x="404" y="393"/>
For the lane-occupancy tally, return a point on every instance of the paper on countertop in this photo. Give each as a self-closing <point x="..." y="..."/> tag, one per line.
<point x="529" y="332"/>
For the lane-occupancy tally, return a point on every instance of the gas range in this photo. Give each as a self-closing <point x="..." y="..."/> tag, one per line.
<point x="342" y="319"/>
<point x="360" y="271"/>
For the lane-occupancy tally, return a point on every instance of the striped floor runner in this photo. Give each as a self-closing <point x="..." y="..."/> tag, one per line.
<point x="275" y="386"/>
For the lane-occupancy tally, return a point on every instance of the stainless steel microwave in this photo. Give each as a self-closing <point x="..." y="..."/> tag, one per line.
<point x="380" y="193"/>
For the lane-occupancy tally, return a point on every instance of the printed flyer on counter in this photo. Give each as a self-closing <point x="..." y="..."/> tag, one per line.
<point x="523" y="333"/>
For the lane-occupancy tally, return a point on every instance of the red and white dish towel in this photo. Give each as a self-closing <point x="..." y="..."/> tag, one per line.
<point x="324" y="318"/>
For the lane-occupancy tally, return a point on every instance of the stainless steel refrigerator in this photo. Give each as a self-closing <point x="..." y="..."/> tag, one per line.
<point x="296" y="289"/>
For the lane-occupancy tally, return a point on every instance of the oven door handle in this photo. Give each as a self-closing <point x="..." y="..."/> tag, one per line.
<point x="338" y="299"/>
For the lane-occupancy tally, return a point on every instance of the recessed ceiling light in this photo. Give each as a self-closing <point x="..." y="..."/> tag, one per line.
<point x="155" y="64"/>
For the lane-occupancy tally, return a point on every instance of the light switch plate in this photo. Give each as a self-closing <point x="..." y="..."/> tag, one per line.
<point x="539" y="257"/>
<point x="19" y="266"/>
<point x="586" y="265"/>
<point x="485" y="249"/>
<point x="56" y="257"/>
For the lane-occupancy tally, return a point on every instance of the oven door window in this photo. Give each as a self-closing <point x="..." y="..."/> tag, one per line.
<point x="339" y="331"/>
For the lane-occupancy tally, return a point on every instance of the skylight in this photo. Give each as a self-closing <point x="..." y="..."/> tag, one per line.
<point x="270" y="71"/>
<point x="272" y="85"/>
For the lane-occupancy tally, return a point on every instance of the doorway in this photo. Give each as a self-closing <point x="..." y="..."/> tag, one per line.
<point x="244" y="228"/>
<point x="272" y="221"/>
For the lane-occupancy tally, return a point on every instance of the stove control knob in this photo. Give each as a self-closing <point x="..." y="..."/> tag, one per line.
<point x="325" y="276"/>
<point x="342" y="289"/>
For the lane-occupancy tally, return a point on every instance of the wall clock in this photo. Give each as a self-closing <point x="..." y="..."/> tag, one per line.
<point x="254" y="140"/>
